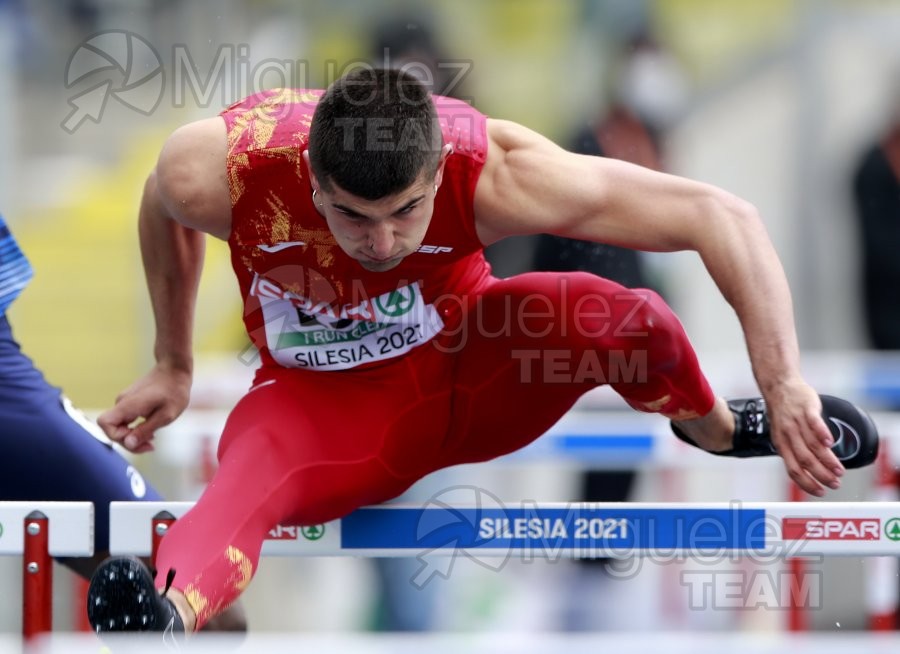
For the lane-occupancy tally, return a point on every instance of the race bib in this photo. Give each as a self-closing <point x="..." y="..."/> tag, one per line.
<point x="303" y="334"/>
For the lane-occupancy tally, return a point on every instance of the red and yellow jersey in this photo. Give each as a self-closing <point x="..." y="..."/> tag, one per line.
<point x="308" y="304"/>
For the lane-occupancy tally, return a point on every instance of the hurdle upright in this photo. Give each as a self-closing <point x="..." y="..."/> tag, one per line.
<point x="37" y="531"/>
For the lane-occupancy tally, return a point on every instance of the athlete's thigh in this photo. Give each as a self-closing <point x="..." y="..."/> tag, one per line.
<point x="338" y="439"/>
<point x="533" y="345"/>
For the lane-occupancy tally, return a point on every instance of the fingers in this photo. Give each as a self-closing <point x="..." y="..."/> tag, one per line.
<point x="142" y="431"/>
<point x="133" y="421"/>
<point x="808" y="457"/>
<point x="798" y="473"/>
<point x="116" y="422"/>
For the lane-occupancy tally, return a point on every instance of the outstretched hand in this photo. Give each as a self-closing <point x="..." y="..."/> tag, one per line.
<point x="802" y="438"/>
<point x="150" y="403"/>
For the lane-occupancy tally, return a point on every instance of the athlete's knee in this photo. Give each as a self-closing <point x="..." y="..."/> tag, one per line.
<point x="623" y="318"/>
<point x="653" y="329"/>
<point x="642" y="313"/>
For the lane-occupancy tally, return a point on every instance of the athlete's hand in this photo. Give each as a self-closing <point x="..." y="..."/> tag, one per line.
<point x="801" y="437"/>
<point x="150" y="403"/>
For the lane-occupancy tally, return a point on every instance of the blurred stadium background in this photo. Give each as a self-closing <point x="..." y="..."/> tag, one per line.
<point x="780" y="98"/>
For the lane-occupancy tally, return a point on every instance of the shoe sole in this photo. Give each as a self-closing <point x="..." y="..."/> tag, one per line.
<point x="120" y="597"/>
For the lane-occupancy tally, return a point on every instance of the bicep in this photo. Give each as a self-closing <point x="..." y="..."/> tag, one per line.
<point x="190" y="177"/>
<point x="527" y="185"/>
<point x="530" y="186"/>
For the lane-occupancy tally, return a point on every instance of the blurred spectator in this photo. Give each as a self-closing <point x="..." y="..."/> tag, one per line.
<point x="876" y="196"/>
<point x="410" y="44"/>
<point x="876" y="192"/>
<point x="647" y="93"/>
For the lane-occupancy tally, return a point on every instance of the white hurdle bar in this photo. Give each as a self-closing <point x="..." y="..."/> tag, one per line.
<point x="576" y="530"/>
<point x="37" y="531"/>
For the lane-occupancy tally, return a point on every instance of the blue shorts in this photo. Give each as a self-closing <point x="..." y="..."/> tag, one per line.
<point x="50" y="452"/>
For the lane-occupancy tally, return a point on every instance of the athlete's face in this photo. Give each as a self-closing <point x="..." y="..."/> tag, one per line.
<point x="379" y="234"/>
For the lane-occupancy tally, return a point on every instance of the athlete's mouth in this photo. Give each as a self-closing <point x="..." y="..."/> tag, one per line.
<point x="370" y="258"/>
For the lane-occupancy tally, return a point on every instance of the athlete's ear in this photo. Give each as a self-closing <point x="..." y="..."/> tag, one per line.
<point x="446" y="151"/>
<point x="312" y="178"/>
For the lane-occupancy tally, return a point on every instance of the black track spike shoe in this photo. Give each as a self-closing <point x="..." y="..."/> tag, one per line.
<point x="855" y="435"/>
<point x="123" y="597"/>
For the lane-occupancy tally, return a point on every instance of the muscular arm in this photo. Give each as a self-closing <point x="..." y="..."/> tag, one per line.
<point x="529" y="185"/>
<point x="185" y="197"/>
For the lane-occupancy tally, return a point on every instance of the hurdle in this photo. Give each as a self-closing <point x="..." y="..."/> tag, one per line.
<point x="471" y="523"/>
<point x="37" y="531"/>
<point x="487" y="528"/>
<point x="777" y="530"/>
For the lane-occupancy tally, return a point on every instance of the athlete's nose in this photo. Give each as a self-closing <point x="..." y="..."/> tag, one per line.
<point x="381" y="240"/>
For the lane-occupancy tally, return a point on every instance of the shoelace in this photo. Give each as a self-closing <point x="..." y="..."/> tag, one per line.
<point x="170" y="577"/>
<point x="754" y="419"/>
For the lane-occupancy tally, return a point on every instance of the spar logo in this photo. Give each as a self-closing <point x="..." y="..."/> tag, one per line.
<point x="831" y="529"/>
<point x="293" y="532"/>
<point x="313" y="532"/>
<point x="892" y="529"/>
<point x="397" y="302"/>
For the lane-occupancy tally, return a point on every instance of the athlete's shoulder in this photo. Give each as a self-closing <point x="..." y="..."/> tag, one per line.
<point x="190" y="175"/>
<point x="463" y="126"/>
<point x="193" y="146"/>
<point x="282" y="100"/>
<point x="270" y="120"/>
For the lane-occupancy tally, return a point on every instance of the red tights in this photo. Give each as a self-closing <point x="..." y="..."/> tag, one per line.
<point x="305" y="447"/>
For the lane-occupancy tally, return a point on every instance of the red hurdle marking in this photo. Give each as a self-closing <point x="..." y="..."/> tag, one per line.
<point x="797" y="616"/>
<point x="161" y="523"/>
<point x="37" y="583"/>
<point x="882" y="583"/>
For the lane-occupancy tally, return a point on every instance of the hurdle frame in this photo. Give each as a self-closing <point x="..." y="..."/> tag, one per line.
<point x="767" y="529"/>
<point x="832" y="529"/>
<point x="38" y="531"/>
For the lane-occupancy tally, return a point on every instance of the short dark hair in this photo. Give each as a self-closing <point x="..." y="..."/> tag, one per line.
<point x="374" y="132"/>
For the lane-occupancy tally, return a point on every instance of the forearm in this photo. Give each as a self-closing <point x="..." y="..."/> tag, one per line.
<point x="173" y="259"/>
<point x="742" y="261"/>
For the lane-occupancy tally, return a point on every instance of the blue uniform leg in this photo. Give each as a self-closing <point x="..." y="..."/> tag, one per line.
<point x="50" y="452"/>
